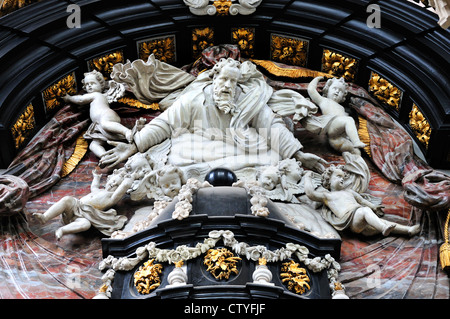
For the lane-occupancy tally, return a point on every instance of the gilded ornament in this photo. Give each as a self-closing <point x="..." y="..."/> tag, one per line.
<point x="53" y="93"/>
<point x="286" y="50"/>
<point x="419" y="125"/>
<point x="222" y="7"/>
<point x="8" y="6"/>
<point x="221" y="263"/>
<point x="162" y="48"/>
<point x="23" y="126"/>
<point x="201" y="39"/>
<point x="295" y="276"/>
<point x="339" y="65"/>
<point x="385" y="91"/>
<point x="81" y="147"/>
<point x="104" y="64"/>
<point x="245" y="39"/>
<point x="147" y="278"/>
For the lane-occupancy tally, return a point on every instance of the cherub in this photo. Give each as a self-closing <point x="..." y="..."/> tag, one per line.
<point x="106" y="124"/>
<point x="269" y="177"/>
<point x="348" y="209"/>
<point x="93" y="209"/>
<point x="291" y="174"/>
<point x="170" y="179"/>
<point x="335" y="122"/>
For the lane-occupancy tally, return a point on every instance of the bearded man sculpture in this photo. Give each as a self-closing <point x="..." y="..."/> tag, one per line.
<point x="222" y="119"/>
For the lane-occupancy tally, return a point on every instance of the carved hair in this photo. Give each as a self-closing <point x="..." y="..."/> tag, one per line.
<point x="341" y="82"/>
<point x="98" y="76"/>
<point x="286" y="163"/>
<point x="326" y="175"/>
<point x="222" y="63"/>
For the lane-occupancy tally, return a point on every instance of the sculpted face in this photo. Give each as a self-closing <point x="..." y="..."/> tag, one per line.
<point x="269" y="179"/>
<point x="338" y="180"/>
<point x="336" y="92"/>
<point x="225" y="84"/>
<point x="91" y="84"/>
<point x="170" y="184"/>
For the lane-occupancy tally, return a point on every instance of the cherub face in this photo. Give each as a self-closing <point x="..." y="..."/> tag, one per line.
<point x="91" y="84"/>
<point x="113" y="181"/>
<point x="268" y="179"/>
<point x="336" y="92"/>
<point x="138" y="165"/>
<point x="338" y="180"/>
<point x="170" y="184"/>
<point x="294" y="171"/>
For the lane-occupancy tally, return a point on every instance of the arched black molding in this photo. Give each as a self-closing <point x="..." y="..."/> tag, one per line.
<point x="410" y="49"/>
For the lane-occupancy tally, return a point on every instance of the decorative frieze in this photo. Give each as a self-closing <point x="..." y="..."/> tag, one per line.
<point x="420" y="125"/>
<point x="24" y="125"/>
<point x="288" y="50"/>
<point x="339" y="65"/>
<point x="163" y="48"/>
<point x="384" y="91"/>
<point x="52" y="94"/>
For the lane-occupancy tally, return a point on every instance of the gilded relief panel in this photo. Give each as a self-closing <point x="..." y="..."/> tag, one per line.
<point x="24" y="125"/>
<point x="163" y="48"/>
<point x="384" y="91"/>
<point x="288" y="50"/>
<point x="244" y="38"/>
<point x="52" y="94"/>
<point x="104" y="64"/>
<point x="202" y="38"/>
<point x="339" y="65"/>
<point x="420" y="125"/>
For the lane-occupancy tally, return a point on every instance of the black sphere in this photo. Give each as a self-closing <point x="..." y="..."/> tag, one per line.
<point x="221" y="177"/>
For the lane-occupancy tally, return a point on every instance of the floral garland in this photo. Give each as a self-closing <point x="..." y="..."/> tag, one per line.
<point x="184" y="253"/>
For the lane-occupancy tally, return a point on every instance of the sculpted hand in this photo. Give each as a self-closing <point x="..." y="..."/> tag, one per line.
<point x="311" y="161"/>
<point x="118" y="154"/>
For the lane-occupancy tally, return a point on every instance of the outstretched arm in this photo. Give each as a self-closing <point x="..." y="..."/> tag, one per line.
<point x="318" y="196"/>
<point x="95" y="185"/>
<point x="79" y="99"/>
<point x="122" y="189"/>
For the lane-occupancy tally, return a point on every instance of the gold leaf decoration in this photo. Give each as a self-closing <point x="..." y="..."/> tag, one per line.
<point x="104" y="64"/>
<point x="419" y="125"/>
<point x="201" y="39"/>
<point x="339" y="65"/>
<point x="222" y="7"/>
<point x="53" y="93"/>
<point x="294" y="73"/>
<point x="244" y="38"/>
<point x="287" y="50"/>
<point x="162" y="48"/>
<point x="81" y="147"/>
<point x="384" y="91"/>
<point x="147" y="277"/>
<point x="296" y="278"/>
<point x="23" y="126"/>
<point x="221" y="263"/>
<point x="138" y="104"/>
<point x="8" y="6"/>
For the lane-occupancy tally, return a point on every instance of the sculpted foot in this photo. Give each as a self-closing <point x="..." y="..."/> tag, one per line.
<point x="414" y="230"/>
<point x="40" y="217"/>
<point x="58" y="234"/>
<point x="387" y="230"/>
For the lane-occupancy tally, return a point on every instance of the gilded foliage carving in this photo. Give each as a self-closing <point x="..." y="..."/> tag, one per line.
<point x="147" y="277"/>
<point x="53" y="93"/>
<point x="8" y="6"/>
<point x="201" y="39"/>
<point x="420" y="125"/>
<point x="245" y="39"/>
<point x="295" y="277"/>
<point x="104" y="64"/>
<point x="23" y="126"/>
<point x="385" y="91"/>
<point x="221" y="263"/>
<point x="339" y="65"/>
<point x="162" y="48"/>
<point x="293" y="51"/>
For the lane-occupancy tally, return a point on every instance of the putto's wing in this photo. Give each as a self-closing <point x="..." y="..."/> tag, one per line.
<point x="158" y="153"/>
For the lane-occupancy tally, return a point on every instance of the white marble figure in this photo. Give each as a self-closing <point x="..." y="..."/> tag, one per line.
<point x="94" y="209"/>
<point x="106" y="124"/>
<point x="347" y="209"/>
<point x="221" y="119"/>
<point x="335" y="122"/>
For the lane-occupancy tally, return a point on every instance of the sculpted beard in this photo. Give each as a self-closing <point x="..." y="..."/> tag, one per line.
<point x="224" y="100"/>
